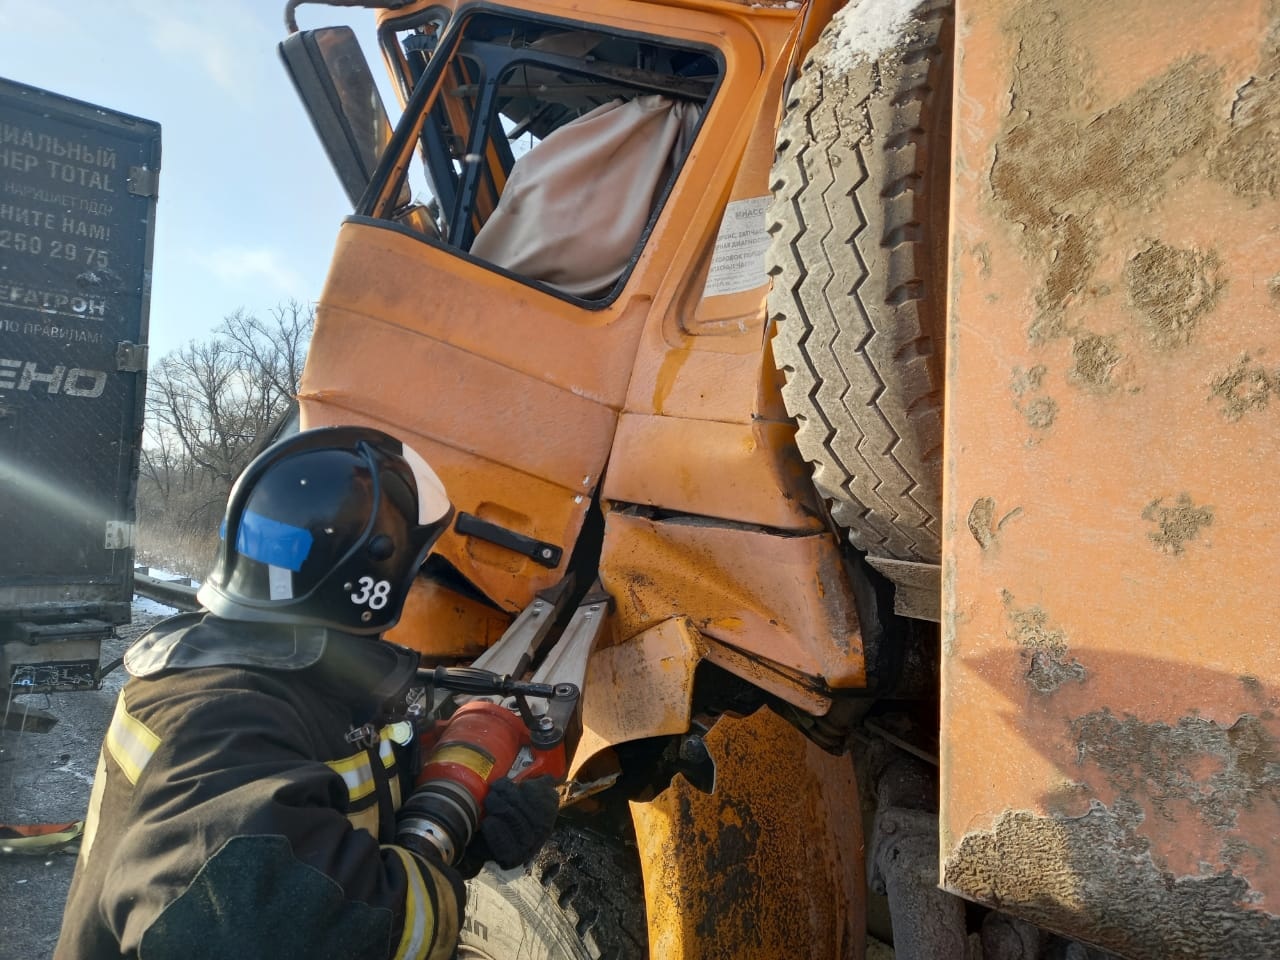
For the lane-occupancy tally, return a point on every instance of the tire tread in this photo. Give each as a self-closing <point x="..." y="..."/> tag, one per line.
<point x="858" y="325"/>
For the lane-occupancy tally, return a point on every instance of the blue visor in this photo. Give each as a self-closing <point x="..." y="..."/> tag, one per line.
<point x="272" y="542"/>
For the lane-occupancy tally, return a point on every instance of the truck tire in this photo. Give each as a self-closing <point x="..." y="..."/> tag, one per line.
<point x="858" y="258"/>
<point x="581" y="898"/>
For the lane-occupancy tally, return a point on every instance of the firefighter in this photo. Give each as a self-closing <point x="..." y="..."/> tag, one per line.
<point x="246" y="793"/>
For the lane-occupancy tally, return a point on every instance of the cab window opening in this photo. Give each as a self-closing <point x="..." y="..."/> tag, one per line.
<point x="533" y="124"/>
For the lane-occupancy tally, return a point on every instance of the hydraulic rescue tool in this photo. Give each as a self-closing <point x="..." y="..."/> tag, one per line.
<point x="483" y="741"/>
<point x="501" y="726"/>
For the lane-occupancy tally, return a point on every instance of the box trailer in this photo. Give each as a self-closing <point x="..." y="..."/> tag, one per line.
<point x="78" y="186"/>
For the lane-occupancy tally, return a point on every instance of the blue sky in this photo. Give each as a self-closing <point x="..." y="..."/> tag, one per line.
<point x="248" y="204"/>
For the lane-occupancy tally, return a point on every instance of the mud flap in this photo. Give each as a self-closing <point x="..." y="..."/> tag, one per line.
<point x="771" y="859"/>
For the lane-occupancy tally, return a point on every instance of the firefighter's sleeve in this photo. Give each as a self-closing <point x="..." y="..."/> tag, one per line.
<point x="238" y="846"/>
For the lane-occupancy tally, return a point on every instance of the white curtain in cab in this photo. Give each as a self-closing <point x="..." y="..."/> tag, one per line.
<point x="576" y="204"/>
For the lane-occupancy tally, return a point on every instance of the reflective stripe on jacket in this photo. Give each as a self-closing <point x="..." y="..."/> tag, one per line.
<point x="231" y="817"/>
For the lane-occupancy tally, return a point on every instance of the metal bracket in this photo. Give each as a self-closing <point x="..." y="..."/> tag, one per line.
<point x="545" y="554"/>
<point x="131" y="357"/>
<point x="144" y="181"/>
<point x="118" y="536"/>
<point x="36" y="633"/>
<point x="567" y="661"/>
<point x="520" y="645"/>
<point x="565" y="666"/>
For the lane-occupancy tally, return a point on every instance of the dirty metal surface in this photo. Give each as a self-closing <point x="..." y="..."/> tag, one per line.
<point x="1111" y="679"/>
<point x="727" y="874"/>
<point x="782" y="599"/>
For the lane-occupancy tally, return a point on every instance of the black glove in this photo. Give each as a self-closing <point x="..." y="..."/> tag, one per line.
<point x="518" y="820"/>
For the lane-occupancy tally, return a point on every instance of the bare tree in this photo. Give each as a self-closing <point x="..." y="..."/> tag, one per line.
<point x="159" y="465"/>
<point x="275" y="349"/>
<point x="207" y="405"/>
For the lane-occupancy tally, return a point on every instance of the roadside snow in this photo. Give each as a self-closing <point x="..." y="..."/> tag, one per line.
<point x="869" y="30"/>
<point x="144" y="607"/>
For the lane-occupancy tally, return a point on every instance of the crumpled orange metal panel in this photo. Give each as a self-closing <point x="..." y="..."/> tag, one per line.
<point x="767" y="865"/>
<point x="1111" y="677"/>
<point x="642" y="687"/>
<point x="783" y="599"/>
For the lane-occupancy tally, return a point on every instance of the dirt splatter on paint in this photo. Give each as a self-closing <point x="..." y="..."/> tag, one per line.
<point x="1063" y="158"/>
<point x="1027" y="381"/>
<point x="1163" y="765"/>
<point x="1173" y="289"/>
<point x="1049" y="664"/>
<point x="983" y="524"/>
<point x="1176" y="524"/>
<point x="1094" y="356"/>
<point x="1070" y="265"/>
<point x="1245" y="160"/>
<point x="1041" y="412"/>
<point x="981" y="521"/>
<point x="1244" y="388"/>
<point x="983" y="253"/>
<point x="1095" y="876"/>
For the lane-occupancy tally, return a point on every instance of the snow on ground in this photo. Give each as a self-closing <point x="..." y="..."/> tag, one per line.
<point x="145" y="608"/>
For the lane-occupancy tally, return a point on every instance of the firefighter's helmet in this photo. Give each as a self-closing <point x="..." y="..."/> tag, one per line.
<point x="327" y="527"/>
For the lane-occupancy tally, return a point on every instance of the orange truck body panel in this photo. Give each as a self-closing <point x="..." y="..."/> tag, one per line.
<point x="1111" y="676"/>
<point x="728" y="876"/>
<point x="714" y="546"/>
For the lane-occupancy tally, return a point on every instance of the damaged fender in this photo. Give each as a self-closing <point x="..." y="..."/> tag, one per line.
<point x="769" y="860"/>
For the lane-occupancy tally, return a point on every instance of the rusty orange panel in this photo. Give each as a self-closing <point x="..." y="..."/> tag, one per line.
<point x="1111" y="673"/>
<point x="748" y="472"/>
<point x="767" y="865"/>
<point x="784" y="599"/>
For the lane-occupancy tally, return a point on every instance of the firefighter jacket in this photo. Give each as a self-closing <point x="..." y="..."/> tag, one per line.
<point x="243" y="812"/>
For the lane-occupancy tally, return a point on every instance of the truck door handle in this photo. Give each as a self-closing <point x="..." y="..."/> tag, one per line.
<point x="545" y="554"/>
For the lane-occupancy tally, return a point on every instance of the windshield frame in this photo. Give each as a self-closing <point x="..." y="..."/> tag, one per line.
<point x="408" y="138"/>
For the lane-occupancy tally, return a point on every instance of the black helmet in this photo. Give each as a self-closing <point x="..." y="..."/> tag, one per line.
<point x="326" y="527"/>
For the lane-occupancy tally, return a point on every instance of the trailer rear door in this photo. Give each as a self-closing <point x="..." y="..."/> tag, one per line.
<point x="77" y="216"/>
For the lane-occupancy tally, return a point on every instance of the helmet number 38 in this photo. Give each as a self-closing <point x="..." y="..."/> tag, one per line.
<point x="373" y="594"/>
